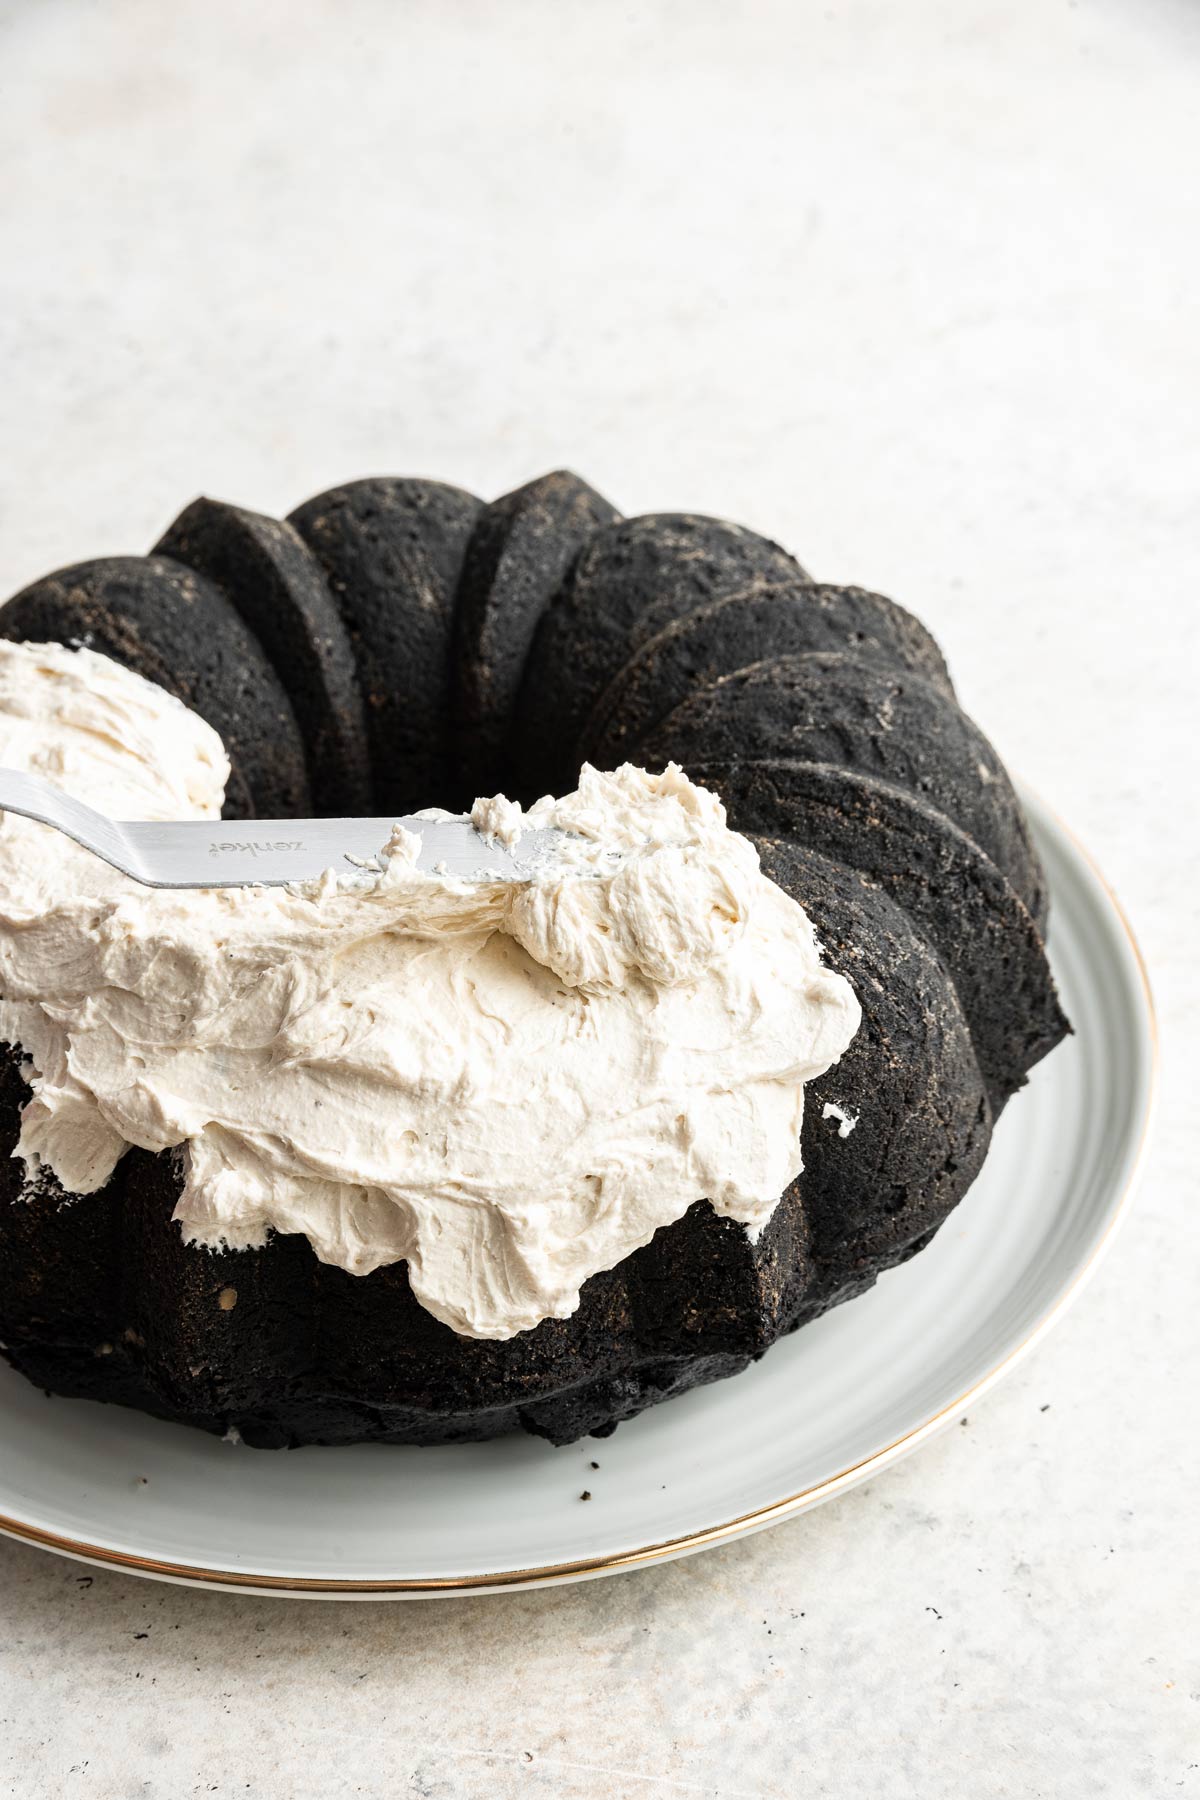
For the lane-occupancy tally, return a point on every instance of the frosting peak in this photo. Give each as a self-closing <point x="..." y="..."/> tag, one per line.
<point x="672" y="888"/>
<point x="509" y="1087"/>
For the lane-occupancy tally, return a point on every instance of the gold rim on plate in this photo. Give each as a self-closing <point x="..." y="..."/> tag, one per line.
<point x="549" y="1574"/>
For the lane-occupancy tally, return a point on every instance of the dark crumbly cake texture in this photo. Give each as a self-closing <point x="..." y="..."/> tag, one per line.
<point x="397" y="643"/>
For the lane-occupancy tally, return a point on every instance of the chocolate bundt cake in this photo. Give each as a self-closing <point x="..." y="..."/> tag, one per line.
<point x="175" y="1239"/>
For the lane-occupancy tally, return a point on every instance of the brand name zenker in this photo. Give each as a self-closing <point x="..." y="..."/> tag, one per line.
<point x="254" y="848"/>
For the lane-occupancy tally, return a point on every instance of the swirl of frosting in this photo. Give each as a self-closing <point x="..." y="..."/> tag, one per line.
<point x="509" y="1087"/>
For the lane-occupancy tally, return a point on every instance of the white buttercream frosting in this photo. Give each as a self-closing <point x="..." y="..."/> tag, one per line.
<point x="510" y="1087"/>
<point x="498" y="819"/>
<point x="846" y="1120"/>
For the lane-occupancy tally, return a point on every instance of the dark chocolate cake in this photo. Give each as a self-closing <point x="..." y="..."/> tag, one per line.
<point x="395" y="645"/>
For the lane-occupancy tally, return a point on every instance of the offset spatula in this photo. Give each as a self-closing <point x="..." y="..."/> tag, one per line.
<point x="206" y="853"/>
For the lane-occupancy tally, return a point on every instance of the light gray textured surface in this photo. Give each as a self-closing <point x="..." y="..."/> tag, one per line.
<point x="914" y="289"/>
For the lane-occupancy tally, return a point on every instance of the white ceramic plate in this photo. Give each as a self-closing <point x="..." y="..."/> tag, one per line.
<point x="849" y="1394"/>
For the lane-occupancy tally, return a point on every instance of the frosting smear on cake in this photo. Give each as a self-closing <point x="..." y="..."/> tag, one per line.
<point x="508" y="1087"/>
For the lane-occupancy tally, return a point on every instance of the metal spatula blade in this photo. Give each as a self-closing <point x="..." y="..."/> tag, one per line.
<point x="207" y="853"/>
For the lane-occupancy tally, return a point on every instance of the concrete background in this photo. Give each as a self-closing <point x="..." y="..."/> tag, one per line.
<point x="914" y="289"/>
